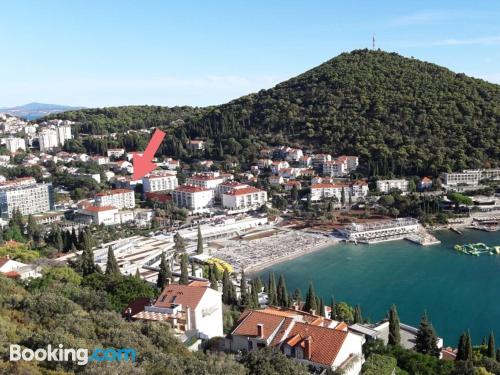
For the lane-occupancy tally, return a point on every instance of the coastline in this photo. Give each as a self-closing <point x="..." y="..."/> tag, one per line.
<point x="257" y="254"/>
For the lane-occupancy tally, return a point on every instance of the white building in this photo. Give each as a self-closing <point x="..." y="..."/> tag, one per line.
<point x="470" y="177"/>
<point x="194" y="309"/>
<point x="385" y="186"/>
<point x="352" y="192"/>
<point x="26" y="195"/>
<point x="98" y="215"/>
<point x="308" y="338"/>
<point x="244" y="198"/>
<point x="196" y="144"/>
<point x="115" y="152"/>
<point x="383" y="230"/>
<point x="159" y="182"/>
<point x="55" y="136"/>
<point x="13" y="144"/>
<point x="340" y="166"/>
<point x="17" y="270"/>
<point x="207" y="181"/>
<point x="196" y="199"/>
<point x="118" y="198"/>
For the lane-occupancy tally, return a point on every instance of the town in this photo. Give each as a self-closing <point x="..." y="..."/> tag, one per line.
<point x="194" y="226"/>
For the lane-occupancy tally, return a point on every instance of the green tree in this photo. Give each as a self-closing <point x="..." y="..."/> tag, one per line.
<point x="464" y="352"/>
<point x="212" y="276"/>
<point x="199" y="247"/>
<point x="184" y="279"/>
<point x="333" y="309"/>
<point x="378" y="364"/>
<point x="282" y="292"/>
<point x="272" y="290"/>
<point x="164" y="274"/>
<point x="358" y="318"/>
<point x="345" y="312"/>
<point x="394" y="334"/>
<point x="491" y="346"/>
<point x="179" y="243"/>
<point x="310" y="304"/>
<point x="244" y="298"/>
<point x="112" y="268"/>
<point x="426" y="340"/>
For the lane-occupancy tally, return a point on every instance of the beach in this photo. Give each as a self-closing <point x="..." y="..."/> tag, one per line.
<point x="255" y="254"/>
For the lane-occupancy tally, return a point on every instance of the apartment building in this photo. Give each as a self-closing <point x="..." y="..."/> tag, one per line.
<point x="26" y="195"/>
<point x="206" y="180"/>
<point x="470" y="176"/>
<point x="244" y="198"/>
<point x="159" y="182"/>
<point x="352" y="192"/>
<point x="13" y="144"/>
<point x="195" y="198"/>
<point x="53" y="137"/>
<point x="340" y="166"/>
<point x="385" y="186"/>
<point x="118" y="198"/>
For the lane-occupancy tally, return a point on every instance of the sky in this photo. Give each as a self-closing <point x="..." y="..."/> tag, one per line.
<point x="104" y="53"/>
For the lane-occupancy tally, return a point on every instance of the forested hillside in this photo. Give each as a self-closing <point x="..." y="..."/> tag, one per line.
<point x="401" y="115"/>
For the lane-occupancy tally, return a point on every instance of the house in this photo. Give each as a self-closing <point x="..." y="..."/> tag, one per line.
<point x="290" y="184"/>
<point x="195" y="198"/>
<point x="196" y="144"/>
<point x="115" y="152"/>
<point x="276" y="180"/>
<point x="118" y="198"/>
<point x="341" y="166"/>
<point x="294" y="154"/>
<point x="279" y="164"/>
<point x="264" y="163"/>
<point x="98" y="215"/>
<point x="305" y="161"/>
<point x="308" y="338"/>
<point x="193" y="310"/>
<point x="244" y="198"/>
<point x="320" y="159"/>
<point x="425" y="183"/>
<point x="16" y="270"/>
<point x="350" y="192"/>
<point x="172" y="164"/>
<point x="386" y="186"/>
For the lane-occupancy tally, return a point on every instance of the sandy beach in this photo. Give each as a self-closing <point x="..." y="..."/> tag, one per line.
<point x="254" y="255"/>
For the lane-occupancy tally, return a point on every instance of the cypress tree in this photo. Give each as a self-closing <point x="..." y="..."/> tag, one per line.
<point x="394" y="334"/>
<point x="358" y="318"/>
<point x="254" y="297"/>
<point x="212" y="276"/>
<point x="426" y="340"/>
<point x="58" y="240"/>
<point x="199" y="248"/>
<point x="184" y="279"/>
<point x="193" y="269"/>
<point x="272" y="292"/>
<point x="333" y="309"/>
<point x="74" y="237"/>
<point x="87" y="264"/>
<point x="282" y="292"/>
<point x="297" y="297"/>
<point x="258" y="284"/>
<point x="321" y="307"/>
<point x="179" y="243"/>
<point x="164" y="273"/>
<point x="310" y="303"/>
<point x="137" y="274"/>
<point x="244" y="300"/>
<point x="464" y="347"/>
<point x="491" y="346"/>
<point x="112" y="268"/>
<point x="226" y="292"/>
<point x="498" y="355"/>
<point x="342" y="197"/>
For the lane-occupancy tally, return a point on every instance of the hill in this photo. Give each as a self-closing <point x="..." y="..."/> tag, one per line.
<point x="401" y="115"/>
<point x="33" y="111"/>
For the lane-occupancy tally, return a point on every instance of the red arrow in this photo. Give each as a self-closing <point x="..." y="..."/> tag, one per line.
<point x="143" y="164"/>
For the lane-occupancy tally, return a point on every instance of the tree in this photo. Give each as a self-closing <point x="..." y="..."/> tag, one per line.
<point x="310" y="304"/>
<point x="244" y="300"/>
<point x="164" y="274"/>
<point x="491" y="346"/>
<point x="271" y="290"/>
<point x="464" y="352"/>
<point x="333" y="309"/>
<point x="358" y="318"/>
<point x="378" y="364"/>
<point x="345" y="312"/>
<point x="426" y="340"/>
<point x="112" y="268"/>
<point x="228" y="292"/>
<point x="212" y="277"/>
<point x="184" y="279"/>
<point x="394" y="334"/>
<point x="342" y="197"/>
<point x="321" y="307"/>
<point x="254" y="296"/>
<point x="179" y="243"/>
<point x="87" y="263"/>
<point x="199" y="247"/>
<point x="282" y="292"/>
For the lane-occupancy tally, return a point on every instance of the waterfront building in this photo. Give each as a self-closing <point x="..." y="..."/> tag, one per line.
<point x="382" y="230"/>
<point x="118" y="198"/>
<point x="159" y="182"/>
<point x="306" y="337"/>
<point x="195" y="198"/>
<point x="26" y="195"/>
<point x="244" y="198"/>
<point x="386" y="186"/>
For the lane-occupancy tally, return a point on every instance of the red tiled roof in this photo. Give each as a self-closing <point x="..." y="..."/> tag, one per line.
<point x="99" y="209"/>
<point x="248" y="324"/>
<point x="325" y="342"/>
<point x="12" y="274"/>
<point x="186" y="295"/>
<point x="191" y="189"/>
<point x="162" y="175"/>
<point x="113" y="192"/>
<point x="244" y="191"/>
<point x="3" y="261"/>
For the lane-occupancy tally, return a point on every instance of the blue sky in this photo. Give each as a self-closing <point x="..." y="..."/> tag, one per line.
<point x="102" y="53"/>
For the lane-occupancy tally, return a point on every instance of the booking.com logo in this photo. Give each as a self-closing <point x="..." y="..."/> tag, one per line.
<point x="80" y="356"/>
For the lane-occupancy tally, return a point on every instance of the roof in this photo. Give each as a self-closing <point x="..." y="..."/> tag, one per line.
<point x="160" y="175"/>
<point x="12" y="274"/>
<point x="99" y="209"/>
<point x="114" y="191"/>
<point x="327" y="186"/>
<point x="191" y="189"/>
<point x="3" y="261"/>
<point x="325" y="342"/>
<point x="186" y="295"/>
<point x="244" y="191"/>
<point x="247" y="325"/>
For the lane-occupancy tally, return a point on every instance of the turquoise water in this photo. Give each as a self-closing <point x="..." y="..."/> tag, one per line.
<point x="458" y="291"/>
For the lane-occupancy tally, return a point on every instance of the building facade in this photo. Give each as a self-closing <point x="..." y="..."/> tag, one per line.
<point x="196" y="199"/>
<point x="118" y="198"/>
<point x="25" y="195"/>
<point x="244" y="198"/>
<point x="385" y="186"/>
<point x="159" y="182"/>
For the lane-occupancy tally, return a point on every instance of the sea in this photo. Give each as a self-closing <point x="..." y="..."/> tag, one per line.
<point x="457" y="291"/>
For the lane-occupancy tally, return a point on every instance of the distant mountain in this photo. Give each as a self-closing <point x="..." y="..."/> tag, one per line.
<point x="32" y="111"/>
